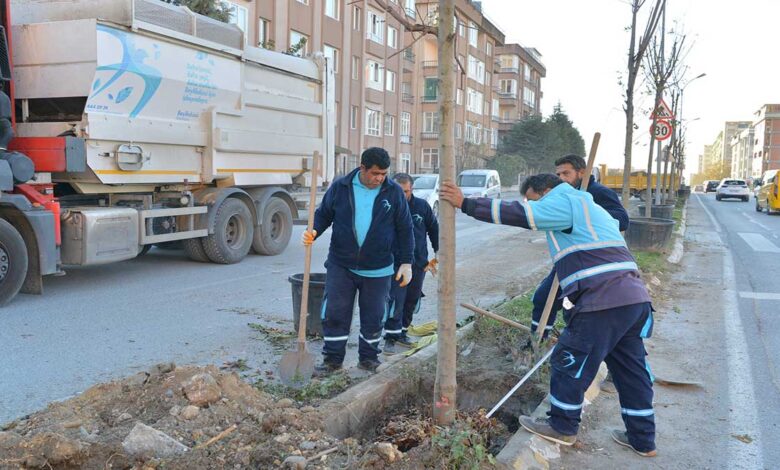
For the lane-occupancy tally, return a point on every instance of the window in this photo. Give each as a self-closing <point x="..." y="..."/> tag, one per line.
<point x="489" y="48"/>
<point x="297" y="38"/>
<point x="458" y="97"/>
<point x="461" y="29"/>
<point x="430" y="158"/>
<point x="410" y="8"/>
<point x="458" y="130"/>
<point x="390" y="81"/>
<point x="332" y="8"/>
<point x="510" y="61"/>
<point x="476" y="70"/>
<point x="495" y="108"/>
<point x="529" y="96"/>
<point x="355" y="67"/>
<point x="392" y="37"/>
<point x="494" y="137"/>
<point x="389" y="124"/>
<point x="357" y="15"/>
<point x="239" y="16"/>
<point x="527" y="72"/>
<point x="263" y="33"/>
<point x="373" y="118"/>
<point x="375" y="25"/>
<point x="507" y="86"/>
<point x="305" y="2"/>
<point x="474" y="100"/>
<point x="333" y="57"/>
<point x="405" y="162"/>
<point x="431" y="91"/>
<point x="488" y="78"/>
<point x="375" y="75"/>
<point x="474" y="133"/>
<point x="406" y="123"/>
<point x="430" y="123"/>
<point x="486" y="108"/>
<point x="473" y="34"/>
<point x="353" y="117"/>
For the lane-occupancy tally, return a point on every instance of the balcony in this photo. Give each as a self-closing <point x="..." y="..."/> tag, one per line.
<point x="429" y="135"/>
<point x="406" y="139"/>
<point x="409" y="55"/>
<point x="407" y="98"/>
<point x="430" y="99"/>
<point x="509" y="70"/>
<point x="507" y="95"/>
<point x="430" y="63"/>
<point x="495" y="118"/>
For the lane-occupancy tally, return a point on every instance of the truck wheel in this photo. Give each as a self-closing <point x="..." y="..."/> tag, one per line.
<point x="273" y="235"/>
<point x="144" y="250"/>
<point x="193" y="248"/>
<point x="13" y="262"/>
<point x="233" y="232"/>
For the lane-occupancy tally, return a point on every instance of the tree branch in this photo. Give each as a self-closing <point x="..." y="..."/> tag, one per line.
<point x="408" y="25"/>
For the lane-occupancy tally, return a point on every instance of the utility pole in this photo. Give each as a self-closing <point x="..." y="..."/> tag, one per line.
<point x="444" y="398"/>
<point x="658" y="174"/>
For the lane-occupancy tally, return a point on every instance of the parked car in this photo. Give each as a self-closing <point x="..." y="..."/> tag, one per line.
<point x="732" y="188"/>
<point x="711" y="187"/>
<point x="426" y="186"/>
<point x="699" y="188"/>
<point x="480" y="183"/>
<point x="767" y="196"/>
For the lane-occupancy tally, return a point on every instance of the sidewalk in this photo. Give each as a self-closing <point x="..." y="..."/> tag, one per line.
<point x="688" y="344"/>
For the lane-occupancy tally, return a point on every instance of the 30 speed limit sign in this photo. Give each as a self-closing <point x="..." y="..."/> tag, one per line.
<point x="662" y="130"/>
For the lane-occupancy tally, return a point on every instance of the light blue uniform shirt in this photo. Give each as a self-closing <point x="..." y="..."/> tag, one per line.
<point x="364" y="208"/>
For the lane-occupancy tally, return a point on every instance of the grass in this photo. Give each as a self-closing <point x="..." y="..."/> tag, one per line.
<point x="519" y="309"/>
<point x="650" y="262"/>
<point x="314" y="391"/>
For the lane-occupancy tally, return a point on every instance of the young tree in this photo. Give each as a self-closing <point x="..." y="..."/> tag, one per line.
<point x="216" y="9"/>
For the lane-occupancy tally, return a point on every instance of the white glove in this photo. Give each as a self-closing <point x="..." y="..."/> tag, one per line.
<point x="404" y="275"/>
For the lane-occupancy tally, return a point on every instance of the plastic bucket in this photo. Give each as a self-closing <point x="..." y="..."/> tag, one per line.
<point x="662" y="211"/>
<point x="649" y="233"/>
<point x="316" y="294"/>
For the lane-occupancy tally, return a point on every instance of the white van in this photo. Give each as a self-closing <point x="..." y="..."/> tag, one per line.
<point x="480" y="183"/>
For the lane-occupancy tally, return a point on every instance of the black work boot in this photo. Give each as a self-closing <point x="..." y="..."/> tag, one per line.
<point x="326" y="368"/>
<point x="390" y="347"/>
<point x="369" y="364"/>
<point x="405" y="341"/>
<point x="621" y="437"/>
<point x="542" y="428"/>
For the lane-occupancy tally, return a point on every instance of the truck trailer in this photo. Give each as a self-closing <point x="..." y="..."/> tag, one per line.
<point x="130" y="123"/>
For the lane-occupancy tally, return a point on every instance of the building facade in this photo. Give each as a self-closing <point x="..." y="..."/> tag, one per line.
<point x="766" y="143"/>
<point x="742" y="154"/>
<point x="519" y="84"/>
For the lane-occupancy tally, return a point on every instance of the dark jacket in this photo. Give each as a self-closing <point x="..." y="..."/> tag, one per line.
<point x="608" y="199"/>
<point x="425" y="226"/>
<point x="390" y="223"/>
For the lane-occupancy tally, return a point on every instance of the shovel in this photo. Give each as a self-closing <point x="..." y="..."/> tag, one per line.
<point x="297" y="367"/>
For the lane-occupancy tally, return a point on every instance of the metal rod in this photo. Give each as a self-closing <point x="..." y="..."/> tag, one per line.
<point x="521" y="382"/>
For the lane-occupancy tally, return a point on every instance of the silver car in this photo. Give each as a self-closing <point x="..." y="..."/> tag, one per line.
<point x="426" y="186"/>
<point x="732" y="188"/>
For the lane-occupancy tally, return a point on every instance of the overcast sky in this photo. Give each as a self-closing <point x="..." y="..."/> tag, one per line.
<point x="584" y="45"/>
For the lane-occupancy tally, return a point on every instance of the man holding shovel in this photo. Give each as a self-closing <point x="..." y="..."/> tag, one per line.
<point x="369" y="215"/>
<point x="606" y="306"/>
<point x="405" y="300"/>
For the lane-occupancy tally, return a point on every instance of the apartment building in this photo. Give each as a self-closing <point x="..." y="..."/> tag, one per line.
<point x="766" y="143"/>
<point x="519" y="84"/>
<point x="742" y="154"/>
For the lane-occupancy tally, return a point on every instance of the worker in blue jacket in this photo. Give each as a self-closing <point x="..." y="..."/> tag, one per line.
<point x="571" y="169"/>
<point x="369" y="214"/>
<point x="606" y="306"/>
<point x="405" y="300"/>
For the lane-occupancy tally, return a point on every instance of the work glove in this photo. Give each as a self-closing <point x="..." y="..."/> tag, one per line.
<point x="308" y="237"/>
<point x="432" y="267"/>
<point x="404" y="275"/>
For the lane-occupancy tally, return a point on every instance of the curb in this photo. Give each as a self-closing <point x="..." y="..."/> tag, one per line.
<point x="679" y="247"/>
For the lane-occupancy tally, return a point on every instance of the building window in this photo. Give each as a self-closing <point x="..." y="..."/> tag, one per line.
<point x="486" y="109"/>
<point x="510" y="61"/>
<point x="357" y="15"/>
<point x="473" y="34"/>
<point x="239" y="16"/>
<point x="488" y="78"/>
<point x="529" y="97"/>
<point x="410" y="9"/>
<point x="332" y="8"/>
<point x="430" y="158"/>
<point x="489" y="48"/>
<point x="390" y="81"/>
<point x="476" y="70"/>
<point x="373" y="119"/>
<point x="459" y="97"/>
<point x="297" y="38"/>
<point x="263" y="33"/>
<point x="507" y="86"/>
<point x="430" y="123"/>
<point x="474" y="101"/>
<point x="355" y="67"/>
<point x="304" y="2"/>
<point x="333" y="57"/>
<point x="375" y="25"/>
<point x="389" y="124"/>
<point x="474" y="133"/>
<point x="495" y="108"/>
<point x="405" y="163"/>
<point x="375" y="75"/>
<point x="458" y="130"/>
<point x="406" y="123"/>
<point x="392" y="37"/>
<point x="431" y="90"/>
<point x="527" y="72"/>
<point x="461" y="29"/>
<point x="353" y="117"/>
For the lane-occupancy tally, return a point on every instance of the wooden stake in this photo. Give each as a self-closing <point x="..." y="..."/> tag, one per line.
<point x="496" y="317"/>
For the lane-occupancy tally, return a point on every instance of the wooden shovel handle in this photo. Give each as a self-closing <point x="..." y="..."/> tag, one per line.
<point x="304" y="312"/>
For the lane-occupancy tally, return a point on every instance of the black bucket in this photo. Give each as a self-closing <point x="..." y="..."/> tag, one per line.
<point x="649" y="233"/>
<point x="316" y="294"/>
<point x="663" y="211"/>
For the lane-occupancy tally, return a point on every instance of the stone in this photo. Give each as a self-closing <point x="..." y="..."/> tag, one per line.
<point x="189" y="412"/>
<point x="163" y="368"/>
<point x="308" y="445"/>
<point x="124" y="417"/>
<point x="282" y="439"/>
<point x="295" y="462"/>
<point x="202" y="390"/>
<point x="308" y="409"/>
<point x="147" y="442"/>
<point x="285" y="403"/>
<point x="169" y="393"/>
<point x="56" y="449"/>
<point x="387" y="451"/>
<point x="175" y="410"/>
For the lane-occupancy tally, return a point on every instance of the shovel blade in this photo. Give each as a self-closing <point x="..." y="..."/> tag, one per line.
<point x="296" y="368"/>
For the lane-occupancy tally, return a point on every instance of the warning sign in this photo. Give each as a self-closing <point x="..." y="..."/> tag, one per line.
<point x="663" y="111"/>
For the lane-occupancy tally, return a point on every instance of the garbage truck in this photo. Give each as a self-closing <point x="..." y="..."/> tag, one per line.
<point x="130" y="123"/>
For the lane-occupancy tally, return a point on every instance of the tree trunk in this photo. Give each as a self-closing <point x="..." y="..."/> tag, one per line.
<point x="444" y="398"/>
<point x="632" y="72"/>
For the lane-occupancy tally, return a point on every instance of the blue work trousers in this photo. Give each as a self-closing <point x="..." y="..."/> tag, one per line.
<point x="341" y="286"/>
<point x="404" y="303"/>
<point x="614" y="336"/>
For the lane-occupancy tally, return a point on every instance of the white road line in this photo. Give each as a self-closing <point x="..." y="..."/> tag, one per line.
<point x="759" y="295"/>
<point x="750" y="218"/>
<point x="758" y="242"/>
<point x="715" y="223"/>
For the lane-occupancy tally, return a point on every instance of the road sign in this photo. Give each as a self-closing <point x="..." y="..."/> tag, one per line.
<point x="663" y="111"/>
<point x="662" y="130"/>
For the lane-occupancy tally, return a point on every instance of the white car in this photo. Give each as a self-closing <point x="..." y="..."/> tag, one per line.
<point x="732" y="188"/>
<point x="426" y="186"/>
<point x="480" y="183"/>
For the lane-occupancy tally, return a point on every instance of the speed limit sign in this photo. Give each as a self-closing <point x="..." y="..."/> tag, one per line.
<point x="662" y="130"/>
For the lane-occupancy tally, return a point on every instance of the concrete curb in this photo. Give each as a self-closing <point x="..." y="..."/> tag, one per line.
<point x="528" y="451"/>
<point x="679" y="246"/>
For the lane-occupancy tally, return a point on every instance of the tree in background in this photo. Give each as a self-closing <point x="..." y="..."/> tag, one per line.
<point x="216" y="9"/>
<point x="533" y="145"/>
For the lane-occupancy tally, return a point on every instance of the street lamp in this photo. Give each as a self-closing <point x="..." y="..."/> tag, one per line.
<point x="678" y="144"/>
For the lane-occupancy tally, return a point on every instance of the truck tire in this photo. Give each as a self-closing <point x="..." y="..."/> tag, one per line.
<point x="13" y="262"/>
<point x="193" y="248"/>
<point x="233" y="233"/>
<point x="273" y="235"/>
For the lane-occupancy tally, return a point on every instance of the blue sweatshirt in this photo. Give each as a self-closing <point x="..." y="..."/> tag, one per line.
<point x="390" y="223"/>
<point x="608" y="199"/>
<point x="425" y="227"/>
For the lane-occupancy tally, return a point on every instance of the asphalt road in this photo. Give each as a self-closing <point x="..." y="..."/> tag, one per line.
<point x="752" y="242"/>
<point x="104" y="322"/>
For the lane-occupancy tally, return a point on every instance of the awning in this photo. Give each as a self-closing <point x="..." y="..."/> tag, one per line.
<point x="340" y="149"/>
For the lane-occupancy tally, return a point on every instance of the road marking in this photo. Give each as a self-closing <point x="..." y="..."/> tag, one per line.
<point x="709" y="214"/>
<point x="759" y="242"/>
<point x="759" y="295"/>
<point x="755" y="222"/>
